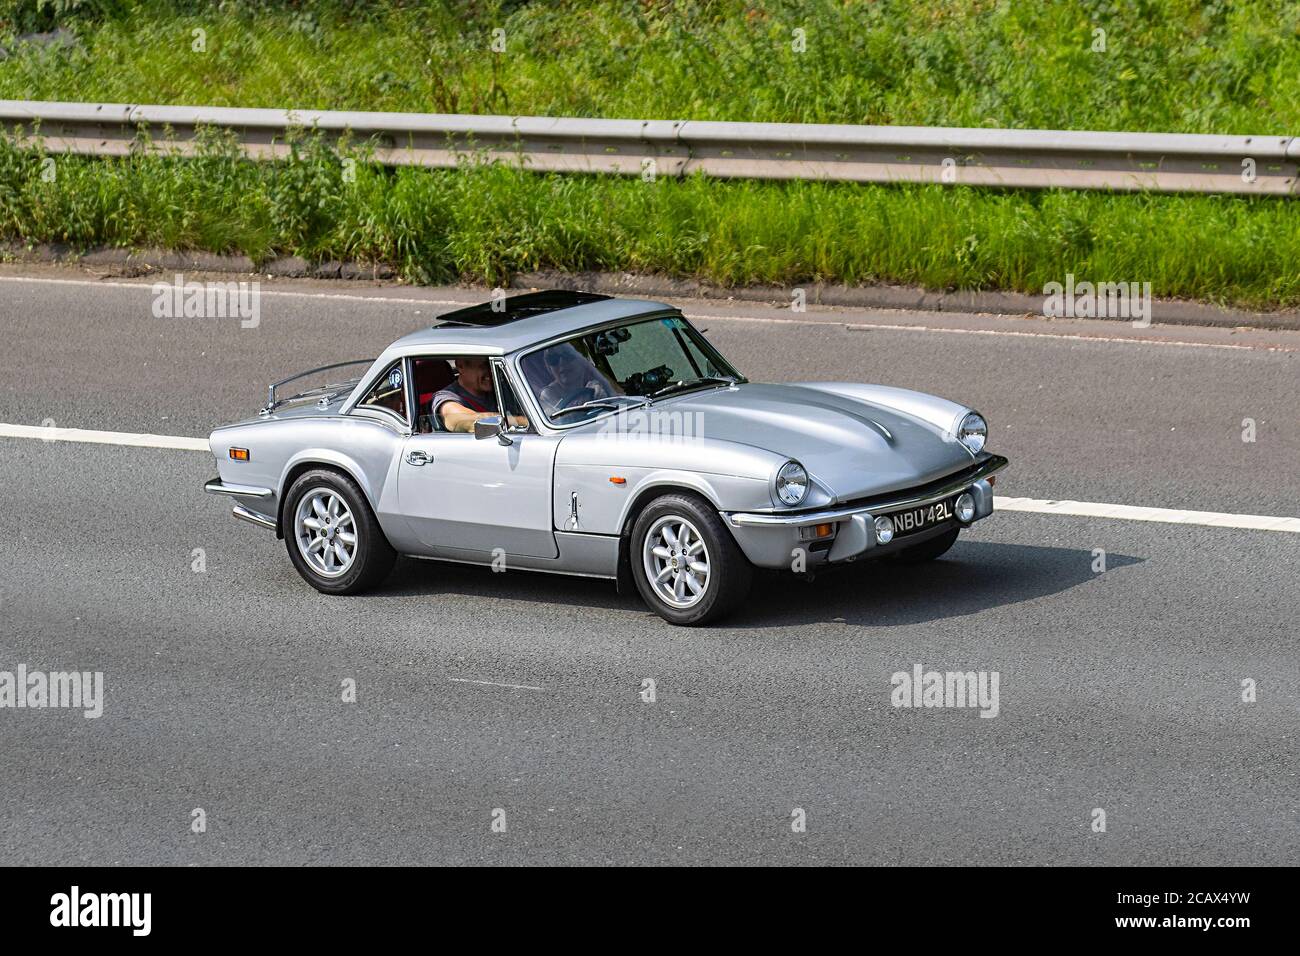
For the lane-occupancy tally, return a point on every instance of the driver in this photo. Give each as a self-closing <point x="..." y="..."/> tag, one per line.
<point x="575" y="380"/>
<point x="469" y="398"/>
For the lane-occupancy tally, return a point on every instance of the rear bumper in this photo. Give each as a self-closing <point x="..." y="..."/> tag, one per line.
<point x="258" y="497"/>
<point x="218" y="487"/>
<point x="776" y="540"/>
<point x="253" y="517"/>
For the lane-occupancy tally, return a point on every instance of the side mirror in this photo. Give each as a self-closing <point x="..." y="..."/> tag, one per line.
<point x="491" y="427"/>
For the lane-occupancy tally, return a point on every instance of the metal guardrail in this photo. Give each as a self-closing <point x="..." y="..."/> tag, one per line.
<point x="1158" y="162"/>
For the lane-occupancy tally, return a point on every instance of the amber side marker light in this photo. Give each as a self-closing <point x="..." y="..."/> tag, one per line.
<point x="813" y="532"/>
<point x="239" y="454"/>
<point x="616" y="480"/>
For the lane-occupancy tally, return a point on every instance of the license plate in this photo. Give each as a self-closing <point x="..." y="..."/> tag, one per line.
<point x="918" y="519"/>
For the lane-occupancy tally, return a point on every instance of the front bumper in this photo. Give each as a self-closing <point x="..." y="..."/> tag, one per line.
<point x="774" y="540"/>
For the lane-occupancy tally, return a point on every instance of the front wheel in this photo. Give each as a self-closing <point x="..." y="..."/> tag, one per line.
<point x="685" y="562"/>
<point x="333" y="538"/>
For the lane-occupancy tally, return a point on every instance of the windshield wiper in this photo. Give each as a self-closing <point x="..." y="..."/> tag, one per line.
<point x="693" y="383"/>
<point x="611" y="402"/>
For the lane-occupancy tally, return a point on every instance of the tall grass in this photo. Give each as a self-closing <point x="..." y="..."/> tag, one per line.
<point x="484" y="223"/>
<point x="1171" y="65"/>
<point x="1168" y="65"/>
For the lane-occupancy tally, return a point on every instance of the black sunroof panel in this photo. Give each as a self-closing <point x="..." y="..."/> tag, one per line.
<point x="516" y="307"/>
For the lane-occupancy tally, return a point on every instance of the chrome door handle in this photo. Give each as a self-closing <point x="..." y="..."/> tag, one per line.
<point x="418" y="458"/>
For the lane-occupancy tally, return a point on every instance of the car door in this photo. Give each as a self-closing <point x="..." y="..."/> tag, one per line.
<point x="467" y="497"/>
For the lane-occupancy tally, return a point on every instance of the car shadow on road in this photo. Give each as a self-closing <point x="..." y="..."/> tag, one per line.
<point x="972" y="577"/>
<point x="415" y="577"/>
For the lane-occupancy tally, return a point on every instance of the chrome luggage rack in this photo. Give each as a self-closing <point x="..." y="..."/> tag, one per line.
<point x="328" y="391"/>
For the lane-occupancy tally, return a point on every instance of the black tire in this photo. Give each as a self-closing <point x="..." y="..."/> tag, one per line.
<point x="372" y="555"/>
<point x="929" y="550"/>
<point x="729" y="573"/>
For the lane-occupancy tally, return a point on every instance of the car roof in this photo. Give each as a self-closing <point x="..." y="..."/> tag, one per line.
<point x="527" y="320"/>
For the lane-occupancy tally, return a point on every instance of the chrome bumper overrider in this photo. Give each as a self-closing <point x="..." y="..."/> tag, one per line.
<point x="217" y="487"/>
<point x="243" y="514"/>
<point x="989" y="466"/>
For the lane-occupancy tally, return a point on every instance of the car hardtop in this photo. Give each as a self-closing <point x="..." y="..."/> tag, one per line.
<point x="479" y="331"/>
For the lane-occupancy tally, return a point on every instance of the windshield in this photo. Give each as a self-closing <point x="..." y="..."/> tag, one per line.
<point x="637" y="361"/>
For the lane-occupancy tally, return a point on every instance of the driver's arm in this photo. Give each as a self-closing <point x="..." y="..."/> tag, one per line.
<point x="458" y="418"/>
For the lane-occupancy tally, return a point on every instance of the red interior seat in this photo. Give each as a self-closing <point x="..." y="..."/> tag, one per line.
<point x="431" y="377"/>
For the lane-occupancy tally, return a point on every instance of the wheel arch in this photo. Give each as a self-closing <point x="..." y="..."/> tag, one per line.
<point x="646" y="493"/>
<point x="327" y="462"/>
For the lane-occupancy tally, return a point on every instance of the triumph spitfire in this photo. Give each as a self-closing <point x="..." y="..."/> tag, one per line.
<point x="581" y="434"/>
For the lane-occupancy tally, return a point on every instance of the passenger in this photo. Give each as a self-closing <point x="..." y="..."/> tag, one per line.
<point x="574" y="380"/>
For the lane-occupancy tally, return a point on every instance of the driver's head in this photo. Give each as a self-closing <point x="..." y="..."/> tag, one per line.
<point x="475" y="374"/>
<point x="566" y="365"/>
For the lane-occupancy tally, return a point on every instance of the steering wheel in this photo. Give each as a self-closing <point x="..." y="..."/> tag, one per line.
<point x="576" y="397"/>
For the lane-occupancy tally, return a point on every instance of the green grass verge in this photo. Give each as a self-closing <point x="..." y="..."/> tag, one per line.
<point x="1170" y="65"/>
<point x="484" y="223"/>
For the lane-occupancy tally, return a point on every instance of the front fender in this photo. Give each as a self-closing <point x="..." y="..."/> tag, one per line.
<point x="328" y="456"/>
<point x="604" y="506"/>
<point x="716" y="489"/>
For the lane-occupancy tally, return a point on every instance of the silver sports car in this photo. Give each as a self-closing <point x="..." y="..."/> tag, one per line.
<point x="581" y="434"/>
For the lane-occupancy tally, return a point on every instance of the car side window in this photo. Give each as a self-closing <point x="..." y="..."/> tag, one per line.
<point x="430" y="374"/>
<point x="388" y="392"/>
<point x="510" y="405"/>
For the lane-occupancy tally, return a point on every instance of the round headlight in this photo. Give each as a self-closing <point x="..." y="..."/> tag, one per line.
<point x="792" y="483"/>
<point x="973" y="432"/>
<point x="884" y="529"/>
<point x="965" y="507"/>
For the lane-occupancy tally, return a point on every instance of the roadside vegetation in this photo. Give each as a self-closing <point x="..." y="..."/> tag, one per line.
<point x="1169" y="65"/>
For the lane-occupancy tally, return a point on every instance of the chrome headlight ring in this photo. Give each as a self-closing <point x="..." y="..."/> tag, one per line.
<point x="973" y="432"/>
<point x="791" y="484"/>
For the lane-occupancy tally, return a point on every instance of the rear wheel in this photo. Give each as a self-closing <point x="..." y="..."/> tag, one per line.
<point x="333" y="538"/>
<point x="685" y="562"/>
<point x="929" y="550"/>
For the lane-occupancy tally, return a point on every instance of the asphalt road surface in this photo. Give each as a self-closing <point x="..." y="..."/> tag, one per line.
<point x="517" y="696"/>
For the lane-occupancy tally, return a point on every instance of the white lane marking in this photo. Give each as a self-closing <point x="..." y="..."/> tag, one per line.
<point x="700" y="316"/>
<point x="492" y="683"/>
<point x="1048" y="506"/>
<point x="1097" y="509"/>
<point x="346" y="296"/>
<point x="102" y="438"/>
<point x="1064" y="336"/>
